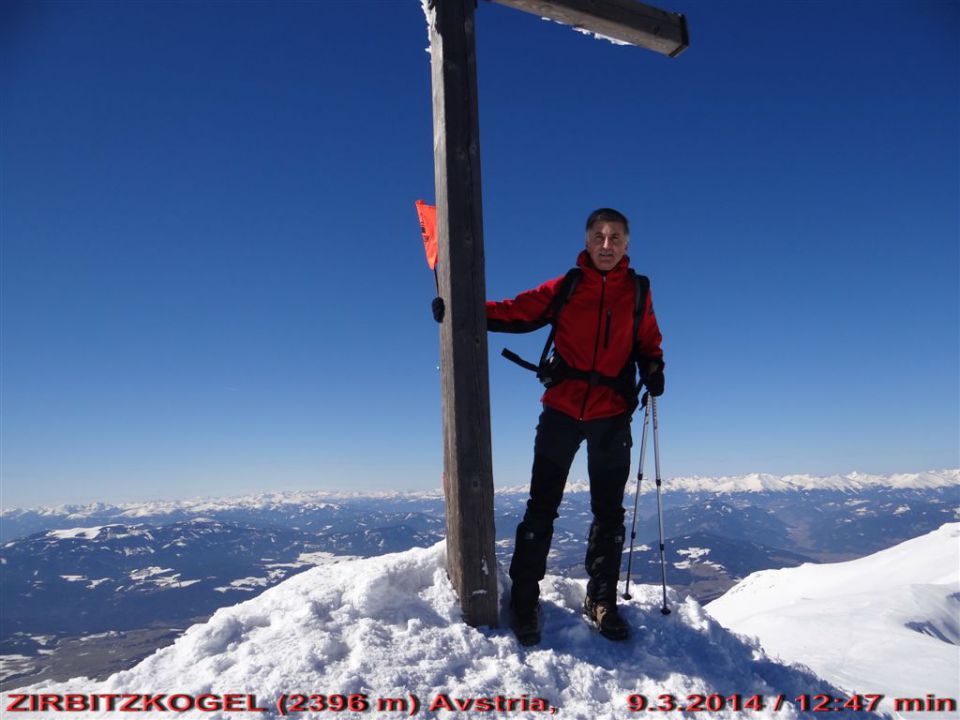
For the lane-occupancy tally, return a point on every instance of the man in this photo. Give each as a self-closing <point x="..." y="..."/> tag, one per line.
<point x="591" y="396"/>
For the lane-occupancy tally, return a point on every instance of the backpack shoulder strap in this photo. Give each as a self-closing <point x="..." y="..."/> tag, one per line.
<point x="564" y="291"/>
<point x="640" y="300"/>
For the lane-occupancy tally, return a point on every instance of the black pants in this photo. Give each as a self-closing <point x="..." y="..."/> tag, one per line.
<point x="559" y="436"/>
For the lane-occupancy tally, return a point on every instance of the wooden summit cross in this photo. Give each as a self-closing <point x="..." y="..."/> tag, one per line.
<point x="468" y="470"/>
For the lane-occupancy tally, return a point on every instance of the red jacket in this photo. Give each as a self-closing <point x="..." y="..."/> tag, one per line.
<point x="593" y="334"/>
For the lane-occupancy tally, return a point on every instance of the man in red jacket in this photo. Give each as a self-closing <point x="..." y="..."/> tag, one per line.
<point x="590" y="397"/>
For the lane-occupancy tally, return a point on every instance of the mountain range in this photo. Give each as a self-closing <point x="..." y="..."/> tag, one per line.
<point x="131" y="577"/>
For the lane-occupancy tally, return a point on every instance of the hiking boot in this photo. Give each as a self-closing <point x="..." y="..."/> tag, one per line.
<point x="603" y="615"/>
<point x="526" y="625"/>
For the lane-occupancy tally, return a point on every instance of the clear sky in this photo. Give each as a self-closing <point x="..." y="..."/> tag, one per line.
<point x="214" y="283"/>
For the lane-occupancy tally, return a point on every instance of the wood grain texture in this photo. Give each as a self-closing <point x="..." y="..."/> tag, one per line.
<point x="468" y="467"/>
<point x="624" y="20"/>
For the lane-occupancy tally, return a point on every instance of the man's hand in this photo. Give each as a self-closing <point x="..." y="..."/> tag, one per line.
<point x="655" y="382"/>
<point x="652" y="371"/>
<point x="439" y="309"/>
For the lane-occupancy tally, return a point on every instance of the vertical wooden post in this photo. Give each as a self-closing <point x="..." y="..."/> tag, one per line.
<point x="468" y="468"/>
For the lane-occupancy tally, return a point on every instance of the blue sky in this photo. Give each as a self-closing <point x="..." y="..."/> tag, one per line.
<point x="213" y="280"/>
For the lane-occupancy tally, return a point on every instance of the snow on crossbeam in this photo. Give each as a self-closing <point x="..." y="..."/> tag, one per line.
<point x="625" y="22"/>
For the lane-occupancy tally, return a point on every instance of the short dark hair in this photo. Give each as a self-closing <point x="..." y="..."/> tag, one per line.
<point x="608" y="215"/>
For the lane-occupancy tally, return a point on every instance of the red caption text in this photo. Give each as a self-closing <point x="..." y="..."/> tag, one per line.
<point x="821" y="702"/>
<point x="285" y="704"/>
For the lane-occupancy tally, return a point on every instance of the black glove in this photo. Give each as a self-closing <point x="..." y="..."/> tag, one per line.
<point x="654" y="383"/>
<point x="438" y="309"/>
<point x="652" y="373"/>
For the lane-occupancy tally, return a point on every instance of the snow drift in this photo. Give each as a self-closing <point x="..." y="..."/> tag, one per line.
<point x="390" y="626"/>
<point x="887" y="623"/>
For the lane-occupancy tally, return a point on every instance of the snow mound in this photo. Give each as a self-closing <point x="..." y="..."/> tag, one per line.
<point x="390" y="626"/>
<point x="887" y="623"/>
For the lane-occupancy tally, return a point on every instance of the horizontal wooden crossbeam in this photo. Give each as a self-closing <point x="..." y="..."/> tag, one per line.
<point x="624" y="20"/>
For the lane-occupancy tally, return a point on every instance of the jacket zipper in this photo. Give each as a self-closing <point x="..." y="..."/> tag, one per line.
<point x="606" y="333"/>
<point x="596" y="344"/>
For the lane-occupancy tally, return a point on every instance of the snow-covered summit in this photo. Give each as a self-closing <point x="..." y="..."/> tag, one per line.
<point x="390" y="627"/>
<point x="887" y="623"/>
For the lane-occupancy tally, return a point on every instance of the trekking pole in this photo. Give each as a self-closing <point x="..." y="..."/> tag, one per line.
<point x="656" y="458"/>
<point x="636" y="499"/>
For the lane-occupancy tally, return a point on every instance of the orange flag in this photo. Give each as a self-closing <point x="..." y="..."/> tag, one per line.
<point x="428" y="227"/>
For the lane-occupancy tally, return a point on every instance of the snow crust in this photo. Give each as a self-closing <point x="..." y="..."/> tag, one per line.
<point x="887" y="623"/>
<point x="430" y="15"/>
<point x="599" y="36"/>
<point x="390" y="626"/>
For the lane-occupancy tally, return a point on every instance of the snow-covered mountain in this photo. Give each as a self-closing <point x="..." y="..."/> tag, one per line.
<point x="97" y="598"/>
<point x="851" y="482"/>
<point x="888" y="623"/>
<point x="88" y="590"/>
<point x="307" y="511"/>
<point x="120" y="577"/>
<point x="20" y="521"/>
<point x="387" y="631"/>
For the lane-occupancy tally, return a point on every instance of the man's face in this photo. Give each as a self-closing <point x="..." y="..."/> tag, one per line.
<point x="606" y="244"/>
